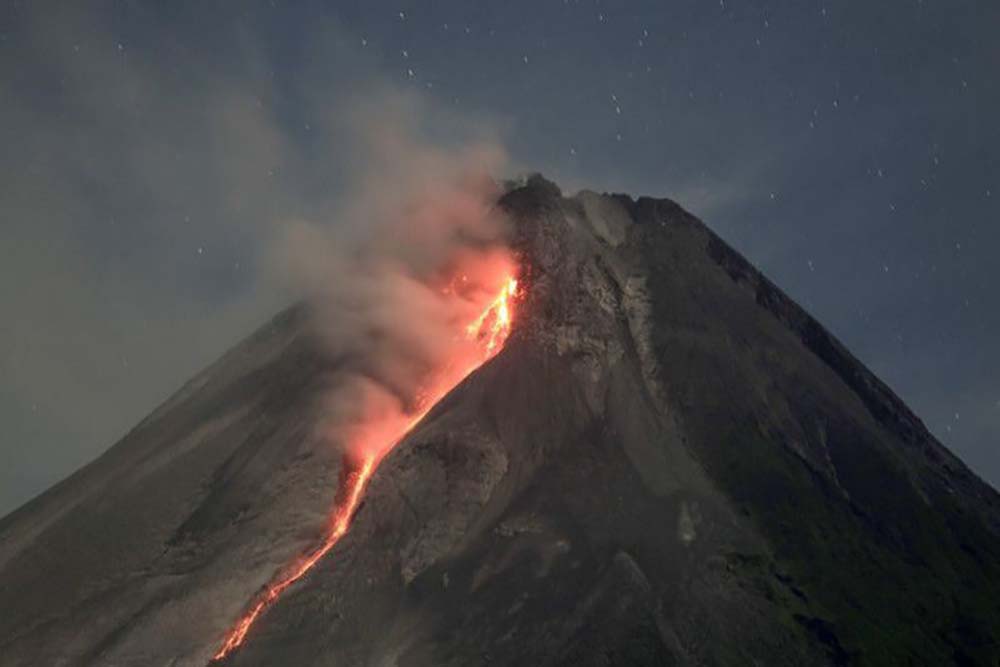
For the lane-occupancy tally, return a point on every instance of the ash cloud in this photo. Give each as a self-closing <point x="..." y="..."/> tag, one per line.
<point x="147" y="174"/>
<point x="417" y="253"/>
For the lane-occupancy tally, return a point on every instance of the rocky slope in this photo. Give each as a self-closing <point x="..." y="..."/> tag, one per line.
<point x="668" y="463"/>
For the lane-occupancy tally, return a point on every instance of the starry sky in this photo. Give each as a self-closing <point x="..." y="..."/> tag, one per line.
<point x="849" y="149"/>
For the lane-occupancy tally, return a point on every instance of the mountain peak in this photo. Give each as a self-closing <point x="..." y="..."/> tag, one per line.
<point x="669" y="462"/>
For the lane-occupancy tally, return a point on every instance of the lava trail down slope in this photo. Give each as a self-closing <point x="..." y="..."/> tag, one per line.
<point x="490" y="329"/>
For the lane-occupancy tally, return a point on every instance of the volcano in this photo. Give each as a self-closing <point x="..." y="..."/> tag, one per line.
<point x="666" y="462"/>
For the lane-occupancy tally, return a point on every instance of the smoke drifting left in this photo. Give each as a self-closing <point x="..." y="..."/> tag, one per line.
<point x="416" y="256"/>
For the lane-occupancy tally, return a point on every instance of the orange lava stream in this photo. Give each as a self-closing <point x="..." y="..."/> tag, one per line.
<point x="490" y="331"/>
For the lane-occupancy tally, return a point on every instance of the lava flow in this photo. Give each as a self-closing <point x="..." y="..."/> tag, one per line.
<point x="487" y="332"/>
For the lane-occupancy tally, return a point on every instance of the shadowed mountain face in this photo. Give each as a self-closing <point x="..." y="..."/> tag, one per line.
<point x="668" y="464"/>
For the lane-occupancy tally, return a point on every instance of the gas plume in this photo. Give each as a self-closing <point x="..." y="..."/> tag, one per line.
<point x="414" y="258"/>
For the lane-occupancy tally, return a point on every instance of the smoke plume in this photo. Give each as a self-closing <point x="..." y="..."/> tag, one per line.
<point x="416" y="255"/>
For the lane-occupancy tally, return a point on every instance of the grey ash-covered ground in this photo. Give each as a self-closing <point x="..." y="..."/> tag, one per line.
<point x="670" y="463"/>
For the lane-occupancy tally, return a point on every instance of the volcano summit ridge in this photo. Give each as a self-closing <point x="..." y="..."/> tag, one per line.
<point x="669" y="462"/>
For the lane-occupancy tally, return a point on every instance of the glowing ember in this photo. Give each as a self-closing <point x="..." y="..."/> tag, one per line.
<point x="488" y="332"/>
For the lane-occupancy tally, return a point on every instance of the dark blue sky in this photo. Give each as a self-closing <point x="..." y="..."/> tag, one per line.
<point x="849" y="149"/>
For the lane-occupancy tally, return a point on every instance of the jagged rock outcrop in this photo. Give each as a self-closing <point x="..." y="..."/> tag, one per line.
<point x="668" y="463"/>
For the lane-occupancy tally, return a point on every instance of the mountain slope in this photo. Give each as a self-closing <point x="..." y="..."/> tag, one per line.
<point x="668" y="463"/>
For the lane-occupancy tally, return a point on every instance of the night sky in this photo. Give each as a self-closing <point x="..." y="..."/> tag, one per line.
<point x="150" y="149"/>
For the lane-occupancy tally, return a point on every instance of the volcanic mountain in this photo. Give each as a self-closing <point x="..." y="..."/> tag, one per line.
<point x="667" y="463"/>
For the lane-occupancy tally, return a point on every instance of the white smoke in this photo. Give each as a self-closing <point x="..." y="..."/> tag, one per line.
<point x="416" y="253"/>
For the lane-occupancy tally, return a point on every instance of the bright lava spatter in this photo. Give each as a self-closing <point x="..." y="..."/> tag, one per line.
<point x="490" y="331"/>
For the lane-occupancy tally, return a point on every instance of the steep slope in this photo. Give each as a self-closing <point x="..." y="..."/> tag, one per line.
<point x="128" y="560"/>
<point x="668" y="463"/>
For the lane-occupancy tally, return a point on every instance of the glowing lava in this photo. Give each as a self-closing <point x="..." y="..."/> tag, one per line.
<point x="487" y="332"/>
<point x="493" y="324"/>
<point x="355" y="485"/>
